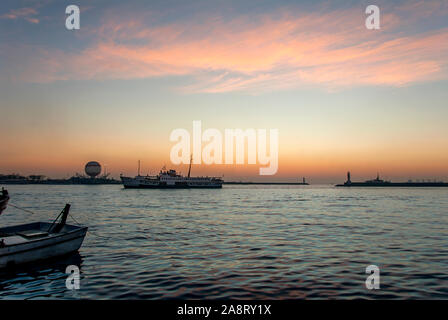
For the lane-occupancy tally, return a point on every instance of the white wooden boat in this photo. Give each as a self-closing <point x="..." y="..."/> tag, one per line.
<point x="4" y="198"/>
<point x="40" y="240"/>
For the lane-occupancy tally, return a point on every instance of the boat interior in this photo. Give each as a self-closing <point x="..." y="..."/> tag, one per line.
<point x="32" y="231"/>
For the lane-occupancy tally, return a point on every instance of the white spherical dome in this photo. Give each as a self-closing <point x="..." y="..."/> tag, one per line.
<point x="93" y="169"/>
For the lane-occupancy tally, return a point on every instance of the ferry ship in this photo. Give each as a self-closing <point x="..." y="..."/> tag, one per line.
<point x="170" y="179"/>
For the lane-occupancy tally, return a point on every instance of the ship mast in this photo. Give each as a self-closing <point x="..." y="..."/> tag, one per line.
<point x="189" y="167"/>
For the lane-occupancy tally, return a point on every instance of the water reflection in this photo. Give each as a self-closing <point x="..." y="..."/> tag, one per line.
<point x="240" y="242"/>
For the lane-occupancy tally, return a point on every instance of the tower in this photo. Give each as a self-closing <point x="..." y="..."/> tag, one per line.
<point x="92" y="169"/>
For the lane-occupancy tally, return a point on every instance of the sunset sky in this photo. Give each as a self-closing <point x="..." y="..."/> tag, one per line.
<point x="342" y="97"/>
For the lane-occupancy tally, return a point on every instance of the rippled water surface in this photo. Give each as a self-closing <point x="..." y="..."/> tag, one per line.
<point x="239" y="242"/>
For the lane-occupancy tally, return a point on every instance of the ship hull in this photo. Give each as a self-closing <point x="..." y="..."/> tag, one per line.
<point x="135" y="183"/>
<point x="379" y="183"/>
<point x="396" y="184"/>
<point x="171" y="187"/>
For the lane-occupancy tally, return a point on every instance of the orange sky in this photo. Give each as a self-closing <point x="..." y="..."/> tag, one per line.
<point x="342" y="97"/>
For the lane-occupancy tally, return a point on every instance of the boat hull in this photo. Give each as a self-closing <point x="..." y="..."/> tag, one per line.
<point x="142" y="183"/>
<point x="171" y="187"/>
<point x="396" y="184"/>
<point x="3" y="204"/>
<point x="48" y="247"/>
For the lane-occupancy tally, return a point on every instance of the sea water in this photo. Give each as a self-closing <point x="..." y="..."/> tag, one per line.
<point x="239" y="242"/>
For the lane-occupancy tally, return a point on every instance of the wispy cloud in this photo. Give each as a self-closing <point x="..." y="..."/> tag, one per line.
<point x="27" y="14"/>
<point x="256" y="53"/>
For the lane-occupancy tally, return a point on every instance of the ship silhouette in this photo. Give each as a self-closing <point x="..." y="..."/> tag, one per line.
<point x="383" y="183"/>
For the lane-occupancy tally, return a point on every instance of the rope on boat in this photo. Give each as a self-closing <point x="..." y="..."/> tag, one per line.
<point x="163" y="242"/>
<point x="71" y="216"/>
<point x="23" y="209"/>
<point x="108" y="238"/>
<point x="96" y="235"/>
<point x="92" y="233"/>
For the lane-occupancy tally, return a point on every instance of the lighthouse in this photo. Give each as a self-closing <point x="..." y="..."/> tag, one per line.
<point x="348" y="178"/>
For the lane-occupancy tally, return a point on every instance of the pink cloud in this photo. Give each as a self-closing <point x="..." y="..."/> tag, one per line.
<point x="32" y="20"/>
<point x="266" y="52"/>
<point x="22" y="13"/>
